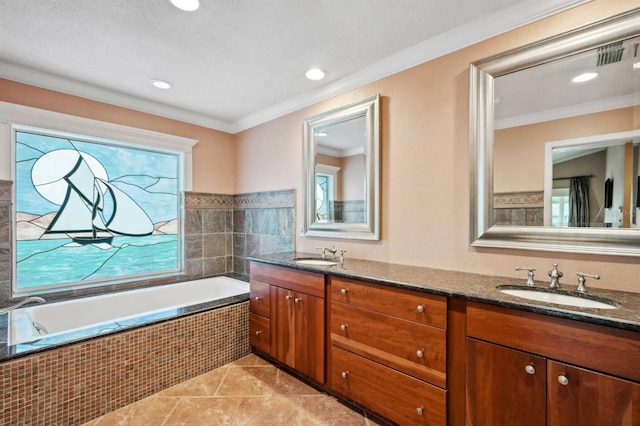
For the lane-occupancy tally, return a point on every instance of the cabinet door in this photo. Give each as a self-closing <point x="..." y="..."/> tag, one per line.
<point x="309" y="335"/>
<point x="584" y="397"/>
<point x="298" y="332"/>
<point x="282" y="324"/>
<point x="504" y="386"/>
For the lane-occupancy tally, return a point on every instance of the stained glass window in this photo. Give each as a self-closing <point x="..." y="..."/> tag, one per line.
<point x="92" y="211"/>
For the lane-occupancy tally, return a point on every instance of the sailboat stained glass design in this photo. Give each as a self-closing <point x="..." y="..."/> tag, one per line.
<point x="92" y="211"/>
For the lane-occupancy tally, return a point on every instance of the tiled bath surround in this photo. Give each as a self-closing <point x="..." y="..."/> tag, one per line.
<point x="220" y="232"/>
<point x="263" y="223"/>
<point x="518" y="208"/>
<point x="5" y="241"/>
<point x="208" y="234"/>
<point x="76" y="383"/>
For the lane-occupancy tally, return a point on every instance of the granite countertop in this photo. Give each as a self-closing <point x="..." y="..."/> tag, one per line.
<point x="469" y="286"/>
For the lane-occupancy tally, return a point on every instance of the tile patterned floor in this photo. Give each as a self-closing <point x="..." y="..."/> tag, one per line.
<point x="249" y="391"/>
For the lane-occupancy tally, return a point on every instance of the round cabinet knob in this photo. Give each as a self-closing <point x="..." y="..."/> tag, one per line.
<point x="287" y="297"/>
<point x="344" y="291"/>
<point x="420" y="308"/>
<point x="259" y="332"/>
<point x="343" y="327"/>
<point x="419" y="353"/>
<point x="419" y="411"/>
<point x="344" y="374"/>
<point x="563" y="380"/>
<point x="258" y="298"/>
<point x="530" y="369"/>
<point x="297" y="300"/>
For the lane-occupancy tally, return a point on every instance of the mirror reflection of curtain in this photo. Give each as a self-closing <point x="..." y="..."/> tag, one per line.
<point x="579" y="201"/>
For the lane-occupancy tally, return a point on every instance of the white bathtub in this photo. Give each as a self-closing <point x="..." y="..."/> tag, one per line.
<point x="59" y="322"/>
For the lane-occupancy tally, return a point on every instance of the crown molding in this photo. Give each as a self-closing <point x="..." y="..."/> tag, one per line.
<point x="448" y="42"/>
<point x="592" y="107"/>
<point x="44" y="80"/>
<point x="460" y="37"/>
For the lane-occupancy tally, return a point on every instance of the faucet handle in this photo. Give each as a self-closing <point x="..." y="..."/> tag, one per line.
<point x="554" y="271"/>
<point x="555" y="276"/>
<point x="342" y="252"/>
<point x="581" y="281"/>
<point x="530" y="272"/>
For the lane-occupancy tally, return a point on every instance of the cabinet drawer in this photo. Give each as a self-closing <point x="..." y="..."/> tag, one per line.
<point x="260" y="332"/>
<point x="574" y="342"/>
<point x="260" y="301"/>
<point x="397" y="396"/>
<point x="414" y="348"/>
<point x="291" y="279"/>
<point x="414" y="306"/>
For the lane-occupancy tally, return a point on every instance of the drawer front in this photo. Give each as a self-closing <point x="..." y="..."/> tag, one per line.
<point x="574" y="342"/>
<point x="291" y="279"/>
<point x="414" y="306"/>
<point x="397" y="396"/>
<point x="260" y="302"/>
<point x="260" y="332"/>
<point x="416" y="349"/>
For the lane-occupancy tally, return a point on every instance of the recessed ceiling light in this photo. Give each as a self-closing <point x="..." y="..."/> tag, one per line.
<point x="321" y="134"/>
<point x="636" y="65"/>
<point x="584" y="77"/>
<point x="315" y="74"/>
<point x="187" y="5"/>
<point x="161" y="84"/>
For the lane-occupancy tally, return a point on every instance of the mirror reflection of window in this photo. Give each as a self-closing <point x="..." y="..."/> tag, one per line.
<point x="560" y="208"/>
<point x="322" y="196"/>
<point x="326" y="195"/>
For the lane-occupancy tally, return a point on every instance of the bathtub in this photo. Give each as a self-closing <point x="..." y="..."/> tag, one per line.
<point x="55" y="323"/>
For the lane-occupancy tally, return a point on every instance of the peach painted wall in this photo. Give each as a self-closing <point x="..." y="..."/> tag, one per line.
<point x="212" y="155"/>
<point x="519" y="151"/>
<point x="353" y="169"/>
<point x="425" y="161"/>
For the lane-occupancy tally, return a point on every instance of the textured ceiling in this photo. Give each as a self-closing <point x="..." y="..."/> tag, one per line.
<point x="236" y="63"/>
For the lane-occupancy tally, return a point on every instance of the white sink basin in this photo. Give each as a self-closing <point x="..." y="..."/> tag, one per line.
<point x="316" y="262"/>
<point x="558" y="298"/>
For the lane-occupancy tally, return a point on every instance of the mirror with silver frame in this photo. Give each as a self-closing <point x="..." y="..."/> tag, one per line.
<point x="555" y="161"/>
<point x="342" y="171"/>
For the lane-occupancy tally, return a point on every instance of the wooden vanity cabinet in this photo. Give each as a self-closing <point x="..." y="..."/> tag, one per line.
<point x="530" y="369"/>
<point x="289" y="305"/>
<point x="388" y="350"/>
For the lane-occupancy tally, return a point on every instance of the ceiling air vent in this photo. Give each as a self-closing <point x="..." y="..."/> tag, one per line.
<point x="610" y="54"/>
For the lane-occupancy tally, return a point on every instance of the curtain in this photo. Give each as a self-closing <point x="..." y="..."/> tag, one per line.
<point x="579" y="201"/>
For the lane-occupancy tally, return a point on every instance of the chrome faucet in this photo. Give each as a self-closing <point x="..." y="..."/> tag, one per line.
<point x="22" y="302"/>
<point x="581" y="287"/>
<point x="341" y="258"/>
<point x="555" y="277"/>
<point x="324" y="251"/>
<point x="530" y="272"/>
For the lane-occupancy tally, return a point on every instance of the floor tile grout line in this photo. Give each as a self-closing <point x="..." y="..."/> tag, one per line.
<point x="226" y="373"/>
<point x="168" y="416"/>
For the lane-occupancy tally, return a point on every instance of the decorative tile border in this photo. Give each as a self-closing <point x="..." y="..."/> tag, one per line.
<point x="505" y="200"/>
<point x="76" y="383"/>
<point x="199" y="200"/>
<point x="267" y="199"/>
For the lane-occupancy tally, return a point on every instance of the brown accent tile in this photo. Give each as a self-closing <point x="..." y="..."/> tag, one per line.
<point x="79" y="382"/>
